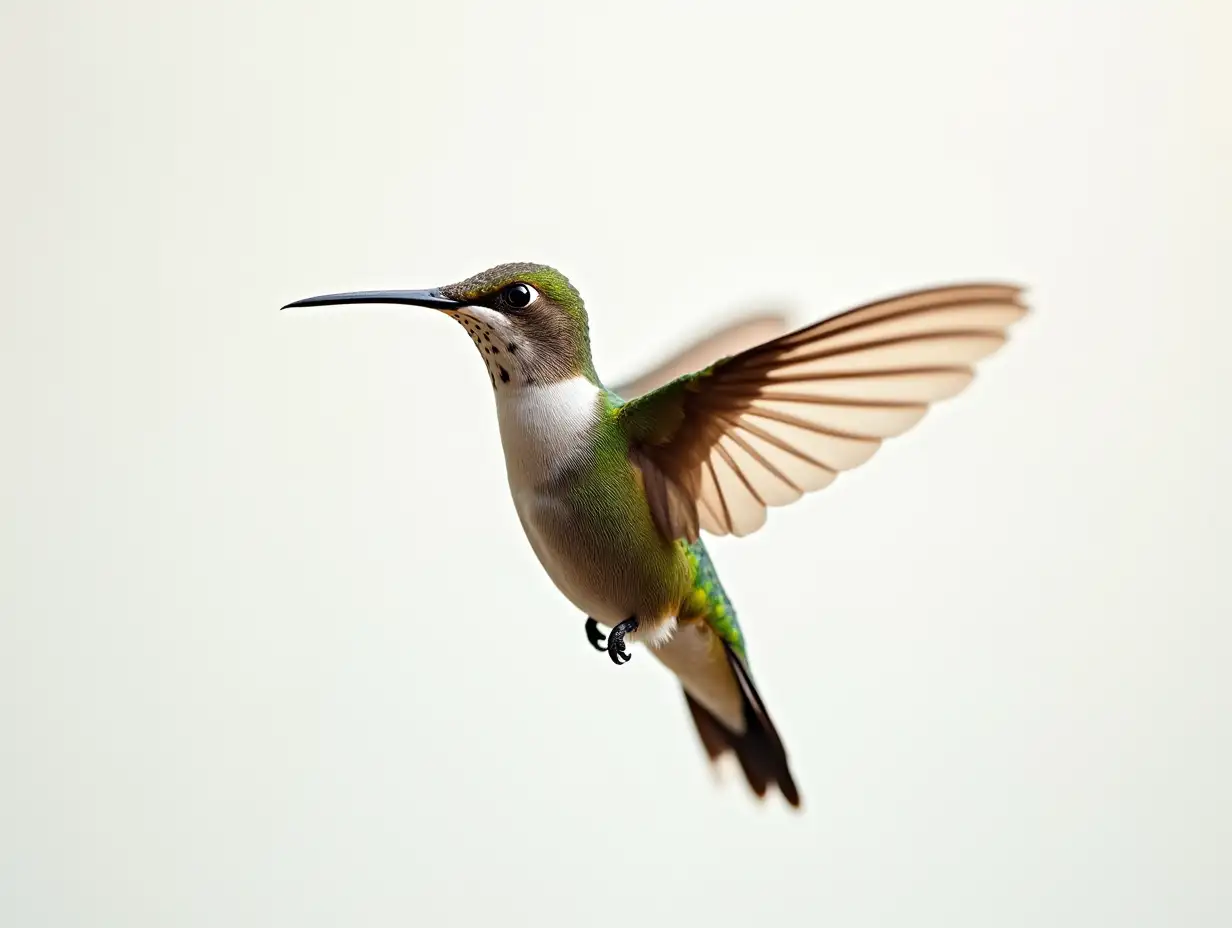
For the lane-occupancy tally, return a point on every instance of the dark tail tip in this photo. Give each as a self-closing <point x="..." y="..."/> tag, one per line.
<point x="758" y="749"/>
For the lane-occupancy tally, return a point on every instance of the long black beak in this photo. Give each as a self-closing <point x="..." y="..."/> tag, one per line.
<point x="433" y="299"/>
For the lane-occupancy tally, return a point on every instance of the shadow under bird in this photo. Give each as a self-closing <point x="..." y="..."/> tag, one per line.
<point x="614" y="491"/>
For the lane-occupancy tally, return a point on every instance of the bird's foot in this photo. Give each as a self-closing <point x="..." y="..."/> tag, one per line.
<point x="616" y="640"/>
<point x="596" y="637"/>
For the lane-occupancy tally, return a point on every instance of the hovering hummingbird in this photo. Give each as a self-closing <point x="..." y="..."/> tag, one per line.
<point x="614" y="491"/>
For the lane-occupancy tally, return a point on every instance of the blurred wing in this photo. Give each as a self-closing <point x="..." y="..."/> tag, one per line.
<point x="717" y="448"/>
<point x="729" y="340"/>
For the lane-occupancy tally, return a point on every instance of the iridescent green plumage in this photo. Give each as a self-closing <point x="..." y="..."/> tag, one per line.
<point x="710" y="599"/>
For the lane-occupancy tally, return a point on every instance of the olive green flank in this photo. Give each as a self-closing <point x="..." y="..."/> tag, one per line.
<point x="707" y="599"/>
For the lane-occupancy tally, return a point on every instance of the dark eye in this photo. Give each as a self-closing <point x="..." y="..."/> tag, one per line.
<point x="518" y="296"/>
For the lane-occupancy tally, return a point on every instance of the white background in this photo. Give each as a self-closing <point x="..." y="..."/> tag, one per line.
<point x="273" y="650"/>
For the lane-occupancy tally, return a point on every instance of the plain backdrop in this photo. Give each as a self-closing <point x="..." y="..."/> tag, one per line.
<point x="273" y="649"/>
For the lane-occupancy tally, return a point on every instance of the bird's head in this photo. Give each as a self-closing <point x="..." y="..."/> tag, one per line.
<point x="527" y="321"/>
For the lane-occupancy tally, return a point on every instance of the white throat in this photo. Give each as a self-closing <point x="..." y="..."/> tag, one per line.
<point x="545" y="426"/>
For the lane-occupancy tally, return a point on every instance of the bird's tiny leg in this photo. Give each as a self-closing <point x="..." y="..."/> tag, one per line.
<point x="616" y="640"/>
<point x="597" y="640"/>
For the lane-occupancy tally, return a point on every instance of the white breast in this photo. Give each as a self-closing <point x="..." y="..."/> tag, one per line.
<point x="543" y="428"/>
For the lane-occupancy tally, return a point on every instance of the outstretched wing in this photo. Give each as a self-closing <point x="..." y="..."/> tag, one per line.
<point x="731" y="338"/>
<point x="718" y="447"/>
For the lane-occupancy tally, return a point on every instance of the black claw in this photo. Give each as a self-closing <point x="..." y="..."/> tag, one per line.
<point x="596" y="637"/>
<point x="616" y="641"/>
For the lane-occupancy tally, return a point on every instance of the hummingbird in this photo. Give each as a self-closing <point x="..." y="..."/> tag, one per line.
<point x="614" y="490"/>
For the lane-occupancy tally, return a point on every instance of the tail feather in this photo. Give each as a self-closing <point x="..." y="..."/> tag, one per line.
<point x="758" y="749"/>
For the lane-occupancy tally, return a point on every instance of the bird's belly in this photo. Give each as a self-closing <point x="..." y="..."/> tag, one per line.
<point x="599" y="565"/>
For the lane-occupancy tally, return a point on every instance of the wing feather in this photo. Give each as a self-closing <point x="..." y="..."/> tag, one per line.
<point x="784" y="418"/>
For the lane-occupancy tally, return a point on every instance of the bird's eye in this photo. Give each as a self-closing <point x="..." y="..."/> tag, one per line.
<point x="518" y="296"/>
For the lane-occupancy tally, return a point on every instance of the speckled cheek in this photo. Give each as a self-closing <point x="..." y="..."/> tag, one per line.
<point x="491" y="335"/>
